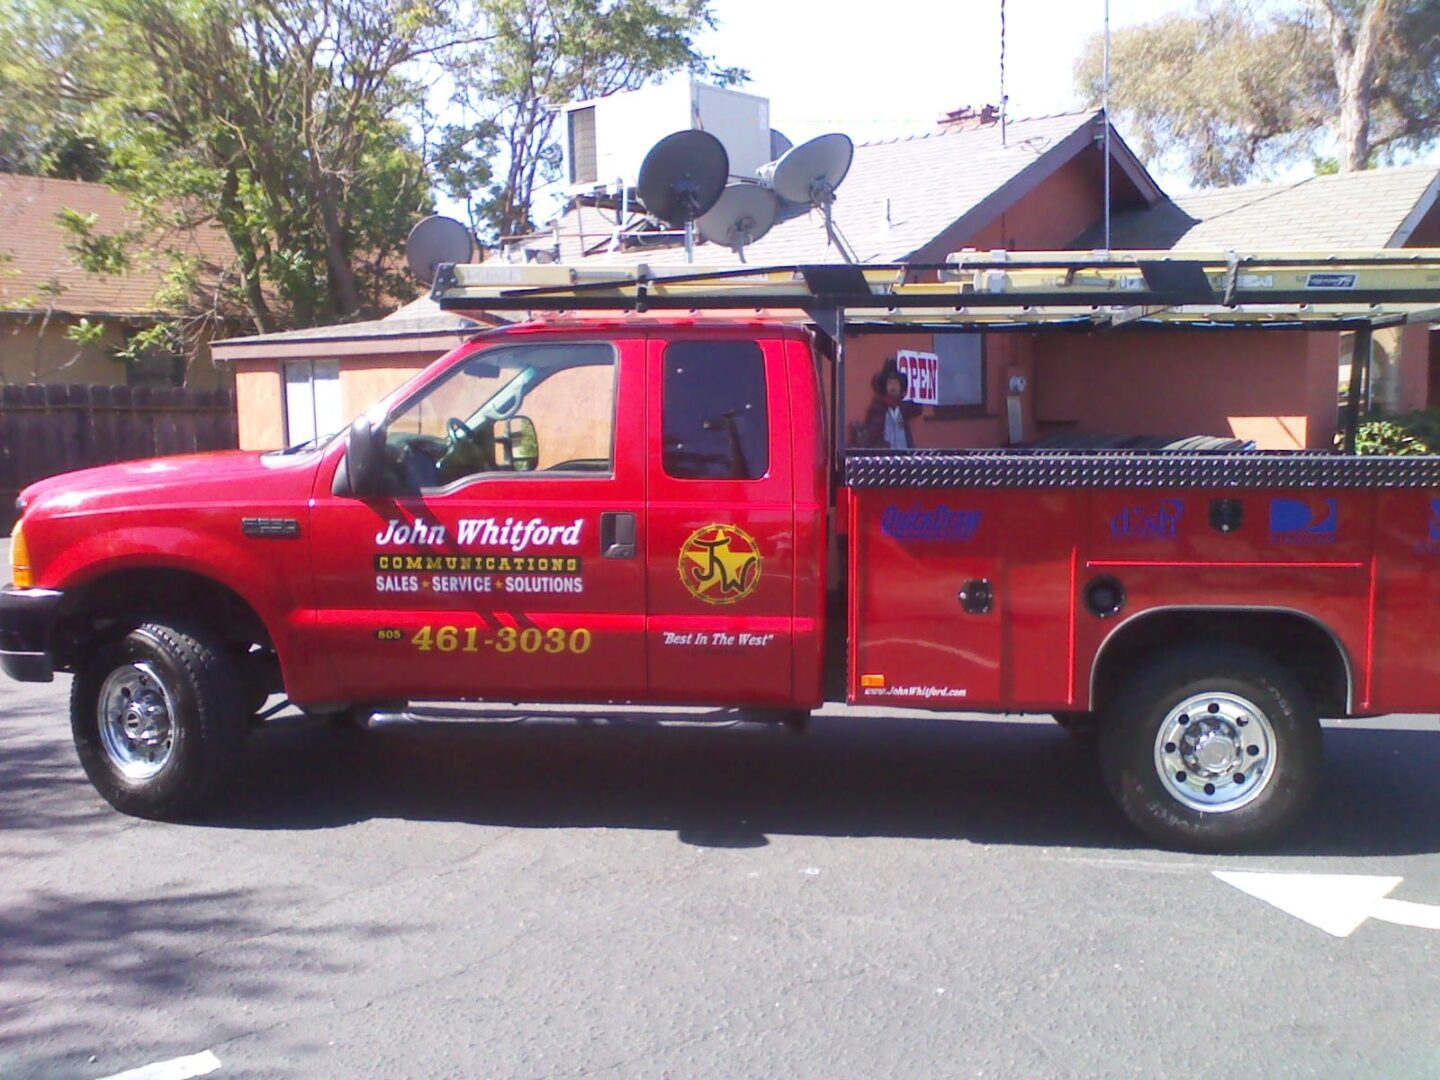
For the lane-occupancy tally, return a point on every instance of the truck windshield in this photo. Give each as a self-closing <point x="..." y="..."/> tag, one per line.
<point x="531" y="408"/>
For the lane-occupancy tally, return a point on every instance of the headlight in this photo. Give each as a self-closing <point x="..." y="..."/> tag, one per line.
<point x="20" y="572"/>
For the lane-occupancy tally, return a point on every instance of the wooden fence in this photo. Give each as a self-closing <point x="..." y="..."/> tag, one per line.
<point x="46" y="430"/>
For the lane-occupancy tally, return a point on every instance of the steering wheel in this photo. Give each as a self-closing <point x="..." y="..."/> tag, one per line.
<point x="459" y="430"/>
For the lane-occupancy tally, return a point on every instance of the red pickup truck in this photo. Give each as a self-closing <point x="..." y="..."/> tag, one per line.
<point x="645" y="510"/>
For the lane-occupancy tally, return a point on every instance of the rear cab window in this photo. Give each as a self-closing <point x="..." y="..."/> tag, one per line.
<point x="716" y="417"/>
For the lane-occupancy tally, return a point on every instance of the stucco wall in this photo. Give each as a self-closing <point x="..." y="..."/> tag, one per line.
<point x="35" y="350"/>
<point x="1276" y="387"/>
<point x="260" y="404"/>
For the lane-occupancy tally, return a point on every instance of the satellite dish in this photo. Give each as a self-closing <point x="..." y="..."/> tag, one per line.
<point x="810" y="172"/>
<point x="778" y="144"/>
<point x="683" y="175"/>
<point x="743" y="214"/>
<point x="435" y="240"/>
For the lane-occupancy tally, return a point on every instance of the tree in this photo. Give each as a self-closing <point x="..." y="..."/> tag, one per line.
<point x="284" y="122"/>
<point x="537" y="55"/>
<point x="39" y="123"/>
<point x="1238" y="88"/>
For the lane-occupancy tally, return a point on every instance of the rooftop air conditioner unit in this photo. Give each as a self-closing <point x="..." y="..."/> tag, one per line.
<point x="605" y="140"/>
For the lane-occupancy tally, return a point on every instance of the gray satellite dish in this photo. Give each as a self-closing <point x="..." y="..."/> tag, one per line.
<point x="682" y="177"/>
<point x="810" y="173"/>
<point x="435" y="240"/>
<point x="743" y="214"/>
<point x="779" y="144"/>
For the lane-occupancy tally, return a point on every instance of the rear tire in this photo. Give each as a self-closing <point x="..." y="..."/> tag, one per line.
<point x="159" y="721"/>
<point x="1211" y="748"/>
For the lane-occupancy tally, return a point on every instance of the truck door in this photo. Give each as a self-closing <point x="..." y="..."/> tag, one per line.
<point x="721" y="537"/>
<point x="510" y="562"/>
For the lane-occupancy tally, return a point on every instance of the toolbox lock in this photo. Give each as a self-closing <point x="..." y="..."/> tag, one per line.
<point x="1227" y="515"/>
<point x="1104" y="596"/>
<point x="977" y="597"/>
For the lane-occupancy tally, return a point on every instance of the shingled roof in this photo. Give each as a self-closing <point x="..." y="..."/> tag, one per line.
<point x="900" y="197"/>
<point x="1373" y="209"/>
<point x="39" y="273"/>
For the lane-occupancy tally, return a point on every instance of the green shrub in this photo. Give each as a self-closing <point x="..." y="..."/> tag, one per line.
<point x="1411" y="433"/>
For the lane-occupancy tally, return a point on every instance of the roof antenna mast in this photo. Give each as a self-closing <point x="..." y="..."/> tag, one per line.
<point x="1004" y="100"/>
<point x="1105" y="109"/>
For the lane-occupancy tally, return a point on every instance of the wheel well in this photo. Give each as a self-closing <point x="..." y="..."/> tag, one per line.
<point x="1297" y="642"/>
<point x="114" y="603"/>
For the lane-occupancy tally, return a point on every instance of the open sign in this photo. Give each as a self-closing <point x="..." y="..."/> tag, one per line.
<point x="922" y="374"/>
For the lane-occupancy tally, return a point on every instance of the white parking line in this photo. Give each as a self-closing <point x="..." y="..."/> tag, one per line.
<point x="181" y="1068"/>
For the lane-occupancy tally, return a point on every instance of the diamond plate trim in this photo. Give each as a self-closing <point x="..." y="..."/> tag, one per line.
<point x="1135" y="469"/>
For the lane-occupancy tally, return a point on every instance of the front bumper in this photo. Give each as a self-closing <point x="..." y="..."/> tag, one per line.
<point x="27" y="624"/>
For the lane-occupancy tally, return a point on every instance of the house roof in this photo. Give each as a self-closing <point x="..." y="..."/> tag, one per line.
<point x="1372" y="209"/>
<point x="900" y="196"/>
<point x="39" y="273"/>
<point x="418" y="327"/>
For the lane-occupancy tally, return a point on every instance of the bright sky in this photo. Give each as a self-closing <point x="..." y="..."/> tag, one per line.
<point x="885" y="69"/>
<point x="880" y="70"/>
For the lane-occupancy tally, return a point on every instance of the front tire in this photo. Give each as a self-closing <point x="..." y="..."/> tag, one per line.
<point x="159" y="721"/>
<point x="1212" y="748"/>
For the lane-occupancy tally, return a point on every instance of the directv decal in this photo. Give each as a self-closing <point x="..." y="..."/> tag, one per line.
<point x="1304" y="521"/>
<point x="1159" y="521"/>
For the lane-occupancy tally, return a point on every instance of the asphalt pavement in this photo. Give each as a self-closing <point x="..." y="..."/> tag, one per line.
<point x="542" y="894"/>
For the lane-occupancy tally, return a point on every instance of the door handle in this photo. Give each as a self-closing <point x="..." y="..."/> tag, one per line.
<point x="617" y="535"/>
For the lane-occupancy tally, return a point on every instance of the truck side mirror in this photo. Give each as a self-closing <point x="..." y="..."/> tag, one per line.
<point x="365" y="457"/>
<point x="523" y="443"/>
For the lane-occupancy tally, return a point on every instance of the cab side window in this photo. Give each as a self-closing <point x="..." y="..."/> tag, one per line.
<point x="536" y="410"/>
<point x="716" y="415"/>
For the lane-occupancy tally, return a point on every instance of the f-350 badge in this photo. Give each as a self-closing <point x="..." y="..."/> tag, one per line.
<point x="720" y="564"/>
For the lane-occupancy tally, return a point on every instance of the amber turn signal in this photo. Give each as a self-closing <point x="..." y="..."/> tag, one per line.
<point x="20" y="572"/>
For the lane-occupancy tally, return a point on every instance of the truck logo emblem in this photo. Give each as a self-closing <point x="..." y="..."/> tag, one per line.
<point x="720" y="564"/>
<point x="1296" y="521"/>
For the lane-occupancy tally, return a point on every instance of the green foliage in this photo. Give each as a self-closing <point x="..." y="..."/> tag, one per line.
<point x="85" y="333"/>
<point x="1240" y="88"/>
<point x="95" y="252"/>
<point x="1410" y="433"/>
<point x="282" y="122"/>
<point x="41" y="130"/>
<point x="301" y="130"/>
<point x="538" y="54"/>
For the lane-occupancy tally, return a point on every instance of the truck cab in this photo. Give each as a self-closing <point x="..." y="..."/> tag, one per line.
<point x="627" y="511"/>
<point x="568" y="512"/>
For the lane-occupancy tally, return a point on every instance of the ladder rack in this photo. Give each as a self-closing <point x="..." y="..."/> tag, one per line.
<point x="995" y="291"/>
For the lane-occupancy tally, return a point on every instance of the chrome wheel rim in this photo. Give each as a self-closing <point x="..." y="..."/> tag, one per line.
<point x="136" y="715"/>
<point x="1215" y="752"/>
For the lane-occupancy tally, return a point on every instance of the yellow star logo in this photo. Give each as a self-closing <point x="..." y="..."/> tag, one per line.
<point x="720" y="564"/>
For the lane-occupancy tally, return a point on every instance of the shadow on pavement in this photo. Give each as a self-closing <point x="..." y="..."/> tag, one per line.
<point x="730" y="785"/>
<point x="75" y="969"/>
<point x="41" y="784"/>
